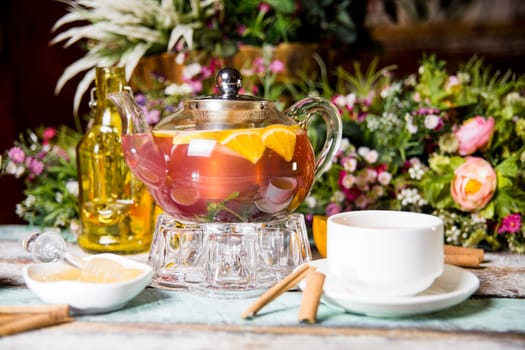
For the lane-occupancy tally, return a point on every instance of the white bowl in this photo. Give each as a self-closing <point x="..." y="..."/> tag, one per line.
<point x="87" y="297"/>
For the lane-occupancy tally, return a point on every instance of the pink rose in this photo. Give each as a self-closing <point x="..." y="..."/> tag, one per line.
<point x="474" y="134"/>
<point x="474" y="184"/>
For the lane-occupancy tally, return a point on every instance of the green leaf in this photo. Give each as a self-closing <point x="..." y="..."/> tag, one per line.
<point x="508" y="201"/>
<point x="503" y="182"/>
<point x="488" y="211"/>
<point x="286" y="6"/>
<point x="508" y="168"/>
<point x="436" y="191"/>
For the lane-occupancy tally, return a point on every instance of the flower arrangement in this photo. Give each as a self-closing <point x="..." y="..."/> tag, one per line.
<point x="447" y="144"/>
<point x="121" y="32"/>
<point x="45" y="160"/>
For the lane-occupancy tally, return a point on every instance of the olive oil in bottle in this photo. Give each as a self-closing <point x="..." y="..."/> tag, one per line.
<point x="115" y="207"/>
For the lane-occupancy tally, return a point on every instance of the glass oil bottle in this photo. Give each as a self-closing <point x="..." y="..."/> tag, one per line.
<point x="115" y="207"/>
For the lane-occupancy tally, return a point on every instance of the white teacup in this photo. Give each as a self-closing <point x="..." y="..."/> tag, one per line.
<point x="280" y="189"/>
<point x="385" y="252"/>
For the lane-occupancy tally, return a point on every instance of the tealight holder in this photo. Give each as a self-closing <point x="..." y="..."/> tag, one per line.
<point x="234" y="260"/>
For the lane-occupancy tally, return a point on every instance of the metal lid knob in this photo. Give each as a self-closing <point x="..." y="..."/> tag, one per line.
<point x="229" y="82"/>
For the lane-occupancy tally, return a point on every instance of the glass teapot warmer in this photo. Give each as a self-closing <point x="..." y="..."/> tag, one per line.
<point x="229" y="171"/>
<point x="231" y="260"/>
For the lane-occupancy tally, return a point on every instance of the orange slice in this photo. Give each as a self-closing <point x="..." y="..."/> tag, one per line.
<point x="247" y="143"/>
<point x="280" y="139"/>
<point x="164" y="133"/>
<point x="319" y="233"/>
<point x="183" y="137"/>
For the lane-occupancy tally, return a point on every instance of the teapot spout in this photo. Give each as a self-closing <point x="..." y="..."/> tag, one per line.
<point x="133" y="120"/>
<point x="144" y="158"/>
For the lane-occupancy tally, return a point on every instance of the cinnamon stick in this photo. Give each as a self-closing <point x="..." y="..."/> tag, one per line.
<point x="455" y="250"/>
<point x="279" y="288"/>
<point x="19" y="319"/>
<point x="311" y="297"/>
<point x="463" y="260"/>
<point x="34" y="309"/>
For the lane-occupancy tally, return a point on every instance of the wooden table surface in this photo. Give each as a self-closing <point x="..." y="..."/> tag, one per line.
<point x="493" y="318"/>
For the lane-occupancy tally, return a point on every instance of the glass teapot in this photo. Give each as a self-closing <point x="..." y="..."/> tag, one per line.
<point x="228" y="157"/>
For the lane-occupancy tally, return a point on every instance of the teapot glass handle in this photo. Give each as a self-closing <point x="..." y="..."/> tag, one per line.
<point x="304" y="112"/>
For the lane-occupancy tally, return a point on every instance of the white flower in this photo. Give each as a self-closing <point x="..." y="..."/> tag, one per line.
<point x="29" y="201"/>
<point x="340" y="101"/>
<point x="348" y="181"/>
<point x="191" y="70"/>
<point x="350" y="164"/>
<point x="350" y="100"/>
<point x="373" y="124"/>
<point x="452" y="234"/>
<point x="13" y="169"/>
<point x="416" y="172"/>
<point x="411" y="80"/>
<point x="345" y="144"/>
<point x="59" y="197"/>
<point x="410" y="196"/>
<point x="72" y="187"/>
<point x="310" y="202"/>
<point x="515" y="98"/>
<point x="179" y="59"/>
<point x="389" y="90"/>
<point x="432" y="121"/>
<point x="411" y="127"/>
<point x="372" y="156"/>
<point x="338" y="196"/>
<point x="20" y="210"/>
<point x="247" y="72"/>
<point x="385" y="92"/>
<point x="477" y="219"/>
<point x="384" y="178"/>
<point x="415" y="161"/>
<point x="363" y="151"/>
<point x="175" y="89"/>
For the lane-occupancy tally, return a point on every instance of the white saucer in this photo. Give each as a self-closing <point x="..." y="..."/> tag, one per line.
<point x="454" y="286"/>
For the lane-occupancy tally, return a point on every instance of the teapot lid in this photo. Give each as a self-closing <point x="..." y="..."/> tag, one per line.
<point x="229" y="82"/>
<point x="227" y="109"/>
